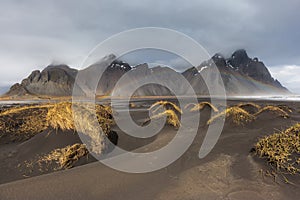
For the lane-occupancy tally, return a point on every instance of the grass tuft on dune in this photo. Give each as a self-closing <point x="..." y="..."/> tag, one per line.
<point x="238" y="115"/>
<point x="164" y="105"/>
<point x="166" y="109"/>
<point x="66" y="157"/>
<point x="200" y="106"/>
<point x="172" y="117"/>
<point x="273" y="109"/>
<point x="22" y="123"/>
<point x="60" y="116"/>
<point x="281" y="150"/>
<point x="250" y="107"/>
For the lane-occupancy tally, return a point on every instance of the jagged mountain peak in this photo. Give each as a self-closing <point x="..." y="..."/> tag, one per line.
<point x="240" y="74"/>
<point x="118" y="64"/>
<point x="239" y="58"/>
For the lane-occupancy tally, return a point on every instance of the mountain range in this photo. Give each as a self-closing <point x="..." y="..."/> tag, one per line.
<point x="241" y="75"/>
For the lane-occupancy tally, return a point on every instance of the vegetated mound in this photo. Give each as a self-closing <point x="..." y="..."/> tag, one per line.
<point x="172" y="118"/>
<point x="286" y="108"/>
<point x="200" y="106"/>
<point x="57" y="159"/>
<point x="161" y="106"/>
<point x="65" y="157"/>
<point x="166" y="109"/>
<point x="235" y="115"/>
<point x="281" y="150"/>
<point x="45" y="142"/>
<point x="271" y="112"/>
<point x="250" y="107"/>
<point x="22" y="123"/>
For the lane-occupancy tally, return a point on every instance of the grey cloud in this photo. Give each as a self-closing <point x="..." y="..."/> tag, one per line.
<point x="35" y="33"/>
<point x="289" y="75"/>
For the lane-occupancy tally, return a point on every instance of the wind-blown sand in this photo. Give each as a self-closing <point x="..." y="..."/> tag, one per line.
<point x="228" y="172"/>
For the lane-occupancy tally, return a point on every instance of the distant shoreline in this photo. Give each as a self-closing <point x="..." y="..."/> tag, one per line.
<point x="138" y="98"/>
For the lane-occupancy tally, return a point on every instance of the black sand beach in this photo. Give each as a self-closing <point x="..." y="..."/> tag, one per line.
<point x="230" y="171"/>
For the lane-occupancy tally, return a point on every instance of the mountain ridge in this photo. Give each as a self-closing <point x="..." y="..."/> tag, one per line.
<point x="240" y="73"/>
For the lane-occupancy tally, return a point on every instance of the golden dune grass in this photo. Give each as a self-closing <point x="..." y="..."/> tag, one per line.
<point x="200" y="106"/>
<point x="164" y="105"/>
<point x="238" y="116"/>
<point x="24" y="122"/>
<point x="274" y="109"/>
<point x="60" y="116"/>
<point x="285" y="108"/>
<point x="66" y="157"/>
<point x="172" y="118"/>
<point x="281" y="150"/>
<point x="18" y="110"/>
<point x="293" y="129"/>
<point x="241" y="105"/>
<point x="250" y="105"/>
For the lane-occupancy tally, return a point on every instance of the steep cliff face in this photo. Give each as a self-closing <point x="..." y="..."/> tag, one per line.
<point x="240" y="74"/>
<point x="53" y="81"/>
<point x="58" y="80"/>
<point x="252" y="68"/>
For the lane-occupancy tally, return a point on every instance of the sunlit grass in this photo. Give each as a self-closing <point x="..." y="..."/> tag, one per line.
<point x="250" y="107"/>
<point x="171" y="116"/>
<point x="164" y="105"/>
<point x="281" y="150"/>
<point x="236" y="114"/>
<point x="64" y="158"/>
<point x="273" y="109"/>
<point x="24" y="122"/>
<point x="200" y="106"/>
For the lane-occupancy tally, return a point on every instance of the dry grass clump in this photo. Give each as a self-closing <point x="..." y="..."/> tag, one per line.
<point x="285" y="108"/>
<point x="19" y="109"/>
<point x="22" y="123"/>
<point x="94" y="128"/>
<point x="164" y="105"/>
<point x="166" y="109"/>
<point x="64" y="158"/>
<point x="132" y="105"/>
<point x="58" y="159"/>
<point x="200" y="106"/>
<point x="249" y="107"/>
<point x="293" y="129"/>
<point x="60" y="116"/>
<point x="238" y="116"/>
<point x="275" y="110"/>
<point x="172" y="118"/>
<point x="281" y="150"/>
<point x="19" y="124"/>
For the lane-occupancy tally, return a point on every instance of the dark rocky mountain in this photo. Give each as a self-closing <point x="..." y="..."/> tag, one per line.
<point x="53" y="81"/>
<point x="241" y="75"/>
<point x="251" y="67"/>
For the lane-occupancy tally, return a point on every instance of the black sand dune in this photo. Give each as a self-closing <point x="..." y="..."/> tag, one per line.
<point x="230" y="171"/>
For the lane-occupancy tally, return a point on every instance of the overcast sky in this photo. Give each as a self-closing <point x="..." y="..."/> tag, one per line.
<point x="36" y="33"/>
